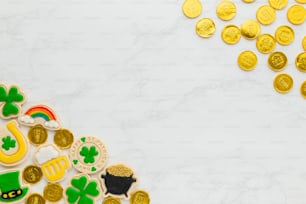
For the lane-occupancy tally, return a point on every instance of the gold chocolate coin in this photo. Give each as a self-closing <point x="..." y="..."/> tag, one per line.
<point x="35" y="198"/>
<point x="296" y="14"/>
<point x="205" y="27"/>
<point x="226" y="10"/>
<point x="248" y="1"/>
<point x="140" y="197"/>
<point x="278" y="4"/>
<point x="303" y="89"/>
<point x="247" y="60"/>
<point x="37" y="135"/>
<point x="63" y="138"/>
<point x="283" y="83"/>
<point x="277" y="61"/>
<point x="265" y="15"/>
<point x="265" y="43"/>
<point x="231" y="34"/>
<point x="284" y="35"/>
<point x="32" y="174"/>
<point x="250" y="29"/>
<point x="301" y="1"/>
<point x="300" y="62"/>
<point x="192" y="8"/>
<point x="304" y="43"/>
<point x="53" y="192"/>
<point x="111" y="200"/>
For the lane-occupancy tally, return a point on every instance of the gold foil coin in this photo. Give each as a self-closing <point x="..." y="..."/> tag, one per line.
<point x="63" y="138"/>
<point x="304" y="43"/>
<point x="32" y="174"/>
<point x="303" y="89"/>
<point x="250" y="29"/>
<point x="265" y="43"/>
<point x="226" y="10"/>
<point x="278" y="4"/>
<point x="231" y="34"/>
<point x="35" y="198"/>
<point x="205" y="27"/>
<point x="37" y="135"/>
<point x="296" y="14"/>
<point x="300" y="62"/>
<point x="53" y="192"/>
<point x="283" y="83"/>
<point x="192" y="8"/>
<point x="111" y="200"/>
<point x="265" y="15"/>
<point x="140" y="197"/>
<point x="277" y="61"/>
<point x="284" y="35"/>
<point x="247" y="60"/>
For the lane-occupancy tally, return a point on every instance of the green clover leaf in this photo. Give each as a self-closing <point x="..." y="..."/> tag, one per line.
<point x="89" y="154"/>
<point x="8" y="143"/>
<point x="10" y="99"/>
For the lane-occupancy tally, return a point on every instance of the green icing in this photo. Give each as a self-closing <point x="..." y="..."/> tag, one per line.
<point x="83" y="139"/>
<point x="89" y="154"/>
<point x="8" y="143"/>
<point x="93" y="169"/>
<point x="75" y="161"/>
<point x="81" y="191"/>
<point x="9" y="99"/>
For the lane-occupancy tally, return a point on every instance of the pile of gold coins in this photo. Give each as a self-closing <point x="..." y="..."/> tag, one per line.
<point x="251" y="30"/>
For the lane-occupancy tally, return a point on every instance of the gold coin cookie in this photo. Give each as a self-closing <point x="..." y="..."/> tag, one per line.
<point x="296" y="14"/>
<point x="140" y="197"/>
<point x="35" y="198"/>
<point x="192" y="8"/>
<point x="304" y="43"/>
<point x="205" y="27"/>
<point x="300" y="62"/>
<point x="250" y="29"/>
<point x="277" y="61"/>
<point x="278" y="4"/>
<point x="231" y="34"/>
<point x="283" y="83"/>
<point x="37" y="135"/>
<point x="303" y="89"/>
<point x="265" y="15"/>
<point x="247" y="60"/>
<point x="226" y="10"/>
<point x="53" y="192"/>
<point x="111" y="200"/>
<point x="265" y="43"/>
<point x="32" y="174"/>
<point x="284" y="35"/>
<point x="63" y="138"/>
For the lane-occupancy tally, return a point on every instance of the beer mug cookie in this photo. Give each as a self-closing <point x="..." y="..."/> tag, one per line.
<point x="88" y="155"/>
<point x="53" y="165"/>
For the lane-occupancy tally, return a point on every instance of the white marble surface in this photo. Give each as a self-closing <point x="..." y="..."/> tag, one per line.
<point x="175" y="107"/>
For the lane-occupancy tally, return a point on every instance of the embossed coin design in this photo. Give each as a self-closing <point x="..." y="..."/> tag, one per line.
<point x="226" y="10"/>
<point x="265" y="43"/>
<point x="53" y="192"/>
<point x="205" y="27"/>
<point x="140" y="197"/>
<point x="247" y="60"/>
<point x="278" y="4"/>
<point x="265" y="15"/>
<point x="303" y="89"/>
<point x="250" y="29"/>
<point x="111" y="200"/>
<point x="283" y="83"/>
<point x="300" y="62"/>
<point x="88" y="155"/>
<point x="192" y="8"/>
<point x="231" y="34"/>
<point x="296" y="14"/>
<point x="304" y="43"/>
<point x="63" y="138"/>
<point x="35" y="198"/>
<point x="32" y="174"/>
<point x="284" y="35"/>
<point x="277" y="61"/>
<point x="37" y="135"/>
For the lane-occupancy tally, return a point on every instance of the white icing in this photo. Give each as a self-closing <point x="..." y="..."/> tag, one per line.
<point x="26" y="119"/>
<point x="46" y="153"/>
<point x="52" y="124"/>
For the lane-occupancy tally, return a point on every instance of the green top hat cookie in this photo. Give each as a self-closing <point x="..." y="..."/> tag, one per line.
<point x="10" y="189"/>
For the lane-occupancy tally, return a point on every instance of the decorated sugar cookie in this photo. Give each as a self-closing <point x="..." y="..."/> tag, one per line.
<point x="140" y="197"/>
<point x="117" y="180"/>
<point x="53" y="165"/>
<point x="88" y="155"/>
<point x="82" y="190"/>
<point x="11" y="190"/>
<point x="40" y="114"/>
<point x="13" y="145"/>
<point x="11" y="99"/>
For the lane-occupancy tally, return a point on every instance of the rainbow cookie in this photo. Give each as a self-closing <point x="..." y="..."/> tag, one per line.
<point x="11" y="99"/>
<point x="40" y="114"/>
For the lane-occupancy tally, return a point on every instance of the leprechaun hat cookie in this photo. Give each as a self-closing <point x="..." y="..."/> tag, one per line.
<point x="40" y="114"/>
<point x="11" y="190"/>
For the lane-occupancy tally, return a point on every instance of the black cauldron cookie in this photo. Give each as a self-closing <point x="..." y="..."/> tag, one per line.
<point x="117" y="180"/>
